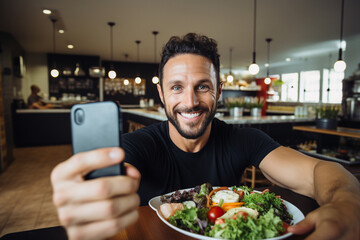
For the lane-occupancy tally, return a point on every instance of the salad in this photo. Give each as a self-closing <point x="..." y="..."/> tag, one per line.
<point x="227" y="212"/>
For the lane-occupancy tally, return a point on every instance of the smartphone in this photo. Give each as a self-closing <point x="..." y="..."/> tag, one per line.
<point x="97" y="125"/>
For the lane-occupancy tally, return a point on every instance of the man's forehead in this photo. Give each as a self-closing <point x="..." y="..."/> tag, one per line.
<point x="189" y="63"/>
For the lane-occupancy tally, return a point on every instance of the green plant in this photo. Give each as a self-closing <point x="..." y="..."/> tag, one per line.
<point x="234" y="103"/>
<point x="327" y="111"/>
<point x="258" y="103"/>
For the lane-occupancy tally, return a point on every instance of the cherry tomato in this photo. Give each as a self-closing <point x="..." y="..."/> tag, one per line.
<point x="214" y="213"/>
<point x="285" y="226"/>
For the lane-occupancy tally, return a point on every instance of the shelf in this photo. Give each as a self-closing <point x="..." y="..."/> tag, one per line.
<point x="340" y="131"/>
<point x="318" y="155"/>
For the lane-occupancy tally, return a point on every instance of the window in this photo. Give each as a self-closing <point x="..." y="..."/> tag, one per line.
<point x="332" y="86"/>
<point x="309" y="86"/>
<point x="289" y="90"/>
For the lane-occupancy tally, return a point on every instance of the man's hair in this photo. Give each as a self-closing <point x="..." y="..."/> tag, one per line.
<point x="194" y="44"/>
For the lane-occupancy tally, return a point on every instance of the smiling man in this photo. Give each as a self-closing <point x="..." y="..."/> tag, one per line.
<point x="191" y="148"/>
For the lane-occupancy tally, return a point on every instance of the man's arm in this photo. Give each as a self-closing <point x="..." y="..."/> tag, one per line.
<point x="334" y="188"/>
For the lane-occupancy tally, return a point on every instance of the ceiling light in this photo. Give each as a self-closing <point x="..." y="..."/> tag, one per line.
<point x="47" y="11"/>
<point x="137" y="80"/>
<point x="70" y="46"/>
<point x="340" y="64"/>
<point x="288" y="59"/>
<point x="54" y="72"/>
<point x="155" y="79"/>
<point x="126" y="82"/>
<point x="267" y="80"/>
<point x="254" y="68"/>
<point x="138" y="56"/>
<point x="111" y="73"/>
<point x="61" y="31"/>
<point x="230" y="77"/>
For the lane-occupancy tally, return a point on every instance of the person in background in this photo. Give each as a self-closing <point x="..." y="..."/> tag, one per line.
<point x="34" y="101"/>
<point x="191" y="148"/>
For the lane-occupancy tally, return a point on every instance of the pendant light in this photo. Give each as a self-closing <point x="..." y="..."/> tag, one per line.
<point x="111" y="73"/>
<point x="155" y="79"/>
<point x="340" y="65"/>
<point x="254" y="68"/>
<point x="54" y="72"/>
<point x="138" y="79"/>
<point x="230" y="77"/>
<point x="267" y="80"/>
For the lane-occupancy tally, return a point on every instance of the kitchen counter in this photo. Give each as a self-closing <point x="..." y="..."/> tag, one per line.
<point x="228" y="119"/>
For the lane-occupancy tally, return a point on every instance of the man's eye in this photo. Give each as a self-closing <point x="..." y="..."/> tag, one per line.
<point x="203" y="87"/>
<point x="176" y="88"/>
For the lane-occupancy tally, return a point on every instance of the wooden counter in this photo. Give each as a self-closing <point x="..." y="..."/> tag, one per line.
<point x="340" y="131"/>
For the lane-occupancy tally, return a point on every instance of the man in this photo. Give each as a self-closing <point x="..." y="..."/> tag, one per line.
<point x="35" y="101"/>
<point x="192" y="148"/>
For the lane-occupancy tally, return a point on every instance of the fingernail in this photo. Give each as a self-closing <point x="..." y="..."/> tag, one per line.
<point x="115" y="154"/>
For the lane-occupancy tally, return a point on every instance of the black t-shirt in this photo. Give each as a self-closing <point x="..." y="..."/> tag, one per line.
<point x="165" y="168"/>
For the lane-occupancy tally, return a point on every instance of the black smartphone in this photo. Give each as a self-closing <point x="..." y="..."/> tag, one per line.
<point x="97" y="125"/>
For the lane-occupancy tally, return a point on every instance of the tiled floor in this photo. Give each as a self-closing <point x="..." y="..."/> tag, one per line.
<point x="25" y="189"/>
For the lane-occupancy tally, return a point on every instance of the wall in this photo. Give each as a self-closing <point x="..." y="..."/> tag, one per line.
<point x="11" y="84"/>
<point x="36" y="73"/>
<point x="319" y="62"/>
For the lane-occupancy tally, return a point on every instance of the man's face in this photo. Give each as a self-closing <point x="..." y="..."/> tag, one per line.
<point x="189" y="93"/>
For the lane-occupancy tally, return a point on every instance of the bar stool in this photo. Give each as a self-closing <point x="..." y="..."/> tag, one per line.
<point x="133" y="126"/>
<point x="255" y="177"/>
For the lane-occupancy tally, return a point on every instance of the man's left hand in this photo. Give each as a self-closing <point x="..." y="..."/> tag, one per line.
<point x="335" y="220"/>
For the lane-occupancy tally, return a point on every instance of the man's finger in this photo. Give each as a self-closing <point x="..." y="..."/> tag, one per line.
<point x="303" y="227"/>
<point x="93" y="190"/>
<point x="102" y="229"/>
<point x="326" y="230"/>
<point x="82" y="163"/>
<point x="99" y="210"/>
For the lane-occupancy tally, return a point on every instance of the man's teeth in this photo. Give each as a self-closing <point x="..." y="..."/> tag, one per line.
<point x="190" y="115"/>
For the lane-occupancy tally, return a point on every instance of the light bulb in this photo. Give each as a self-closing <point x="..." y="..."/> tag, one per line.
<point x="230" y="78"/>
<point x="126" y="82"/>
<point x="46" y="11"/>
<point x="54" y="73"/>
<point x="137" y="80"/>
<point x="339" y="66"/>
<point x="155" y="80"/>
<point x="254" y="68"/>
<point x="112" y="74"/>
<point x="267" y="81"/>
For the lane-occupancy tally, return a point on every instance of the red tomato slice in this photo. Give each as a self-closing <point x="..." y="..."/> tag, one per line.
<point x="214" y="213"/>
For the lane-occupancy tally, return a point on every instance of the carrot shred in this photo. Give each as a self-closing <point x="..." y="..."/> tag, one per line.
<point x="211" y="193"/>
<point x="266" y="190"/>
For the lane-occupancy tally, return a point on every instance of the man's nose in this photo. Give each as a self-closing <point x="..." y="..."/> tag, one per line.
<point x="191" y="99"/>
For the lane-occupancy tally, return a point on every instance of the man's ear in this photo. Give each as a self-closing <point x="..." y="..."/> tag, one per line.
<point x="160" y="92"/>
<point x="219" y="90"/>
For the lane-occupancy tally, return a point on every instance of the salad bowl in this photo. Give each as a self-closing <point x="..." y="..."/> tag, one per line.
<point x="155" y="203"/>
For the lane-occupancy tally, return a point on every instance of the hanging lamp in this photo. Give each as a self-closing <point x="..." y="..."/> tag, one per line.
<point x="111" y="73"/>
<point x="340" y="64"/>
<point x="138" y="79"/>
<point x="155" y="79"/>
<point x="54" y="72"/>
<point x="267" y="80"/>
<point x="230" y="77"/>
<point x="254" y="68"/>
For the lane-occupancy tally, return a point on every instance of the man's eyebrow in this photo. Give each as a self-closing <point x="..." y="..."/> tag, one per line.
<point x="174" y="82"/>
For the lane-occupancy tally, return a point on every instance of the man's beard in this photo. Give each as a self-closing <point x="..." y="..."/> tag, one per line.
<point x="192" y="134"/>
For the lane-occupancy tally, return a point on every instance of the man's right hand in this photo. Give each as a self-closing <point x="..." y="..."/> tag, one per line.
<point x="98" y="208"/>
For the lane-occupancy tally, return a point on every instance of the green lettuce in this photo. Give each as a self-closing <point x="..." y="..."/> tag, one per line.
<point x="267" y="226"/>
